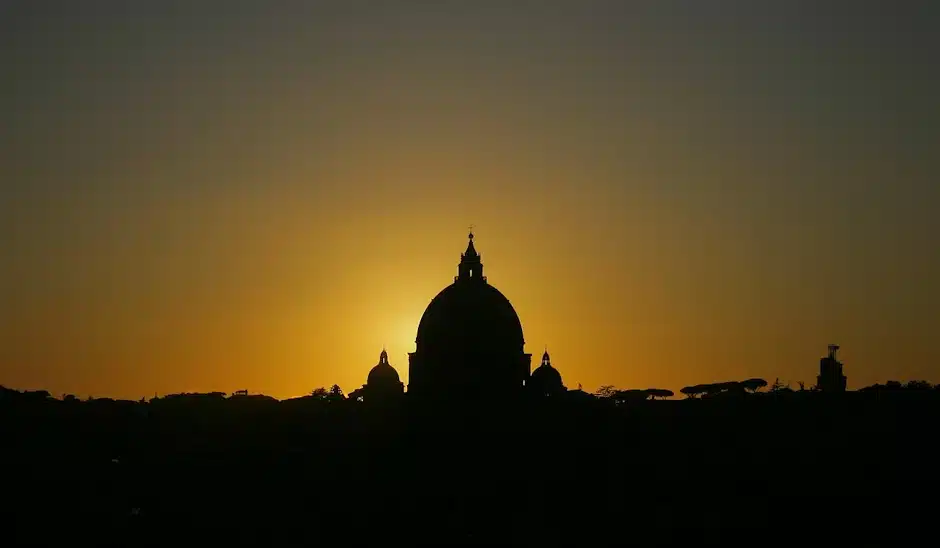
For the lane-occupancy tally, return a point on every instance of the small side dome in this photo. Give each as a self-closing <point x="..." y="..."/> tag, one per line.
<point x="547" y="377"/>
<point x="383" y="373"/>
<point x="546" y="380"/>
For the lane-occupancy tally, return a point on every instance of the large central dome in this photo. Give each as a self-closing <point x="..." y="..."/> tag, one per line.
<point x="470" y="314"/>
<point x="469" y="338"/>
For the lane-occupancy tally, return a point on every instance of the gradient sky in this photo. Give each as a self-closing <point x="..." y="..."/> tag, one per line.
<point x="223" y="195"/>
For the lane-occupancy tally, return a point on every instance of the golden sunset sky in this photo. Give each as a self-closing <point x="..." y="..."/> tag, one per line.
<point x="204" y="196"/>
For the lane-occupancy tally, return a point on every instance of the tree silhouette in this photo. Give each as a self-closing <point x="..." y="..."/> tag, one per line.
<point x="659" y="393"/>
<point x="753" y="385"/>
<point x="335" y="394"/>
<point x="632" y="395"/>
<point x="37" y="395"/>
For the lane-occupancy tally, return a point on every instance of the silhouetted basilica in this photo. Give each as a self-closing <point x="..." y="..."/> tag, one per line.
<point x="470" y="344"/>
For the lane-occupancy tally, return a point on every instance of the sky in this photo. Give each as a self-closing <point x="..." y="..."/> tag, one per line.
<point x="203" y="196"/>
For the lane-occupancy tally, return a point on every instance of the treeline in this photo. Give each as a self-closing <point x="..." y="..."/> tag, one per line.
<point x="609" y="393"/>
<point x="899" y="386"/>
<point x="755" y="386"/>
<point x="752" y="386"/>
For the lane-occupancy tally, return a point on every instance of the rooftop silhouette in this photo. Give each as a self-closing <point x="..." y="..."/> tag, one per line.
<point x="478" y="449"/>
<point x="718" y="222"/>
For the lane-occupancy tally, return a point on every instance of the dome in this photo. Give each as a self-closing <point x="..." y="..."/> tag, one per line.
<point x="470" y="314"/>
<point x="546" y="375"/>
<point x="546" y="378"/>
<point x="383" y="373"/>
<point x="469" y="340"/>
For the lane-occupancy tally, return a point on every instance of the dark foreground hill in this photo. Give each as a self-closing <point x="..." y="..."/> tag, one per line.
<point x="857" y="466"/>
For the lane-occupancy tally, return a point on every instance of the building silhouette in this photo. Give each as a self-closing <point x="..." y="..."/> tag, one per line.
<point x="382" y="384"/>
<point x="469" y="345"/>
<point x="545" y="380"/>
<point x="831" y="378"/>
<point x="469" y="341"/>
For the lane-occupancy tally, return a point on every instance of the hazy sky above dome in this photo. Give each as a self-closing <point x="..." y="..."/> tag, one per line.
<point x="225" y="195"/>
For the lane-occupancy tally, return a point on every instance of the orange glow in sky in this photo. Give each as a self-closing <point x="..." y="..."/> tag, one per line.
<point x="263" y="202"/>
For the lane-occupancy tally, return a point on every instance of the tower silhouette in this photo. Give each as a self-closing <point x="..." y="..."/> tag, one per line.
<point x="831" y="378"/>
